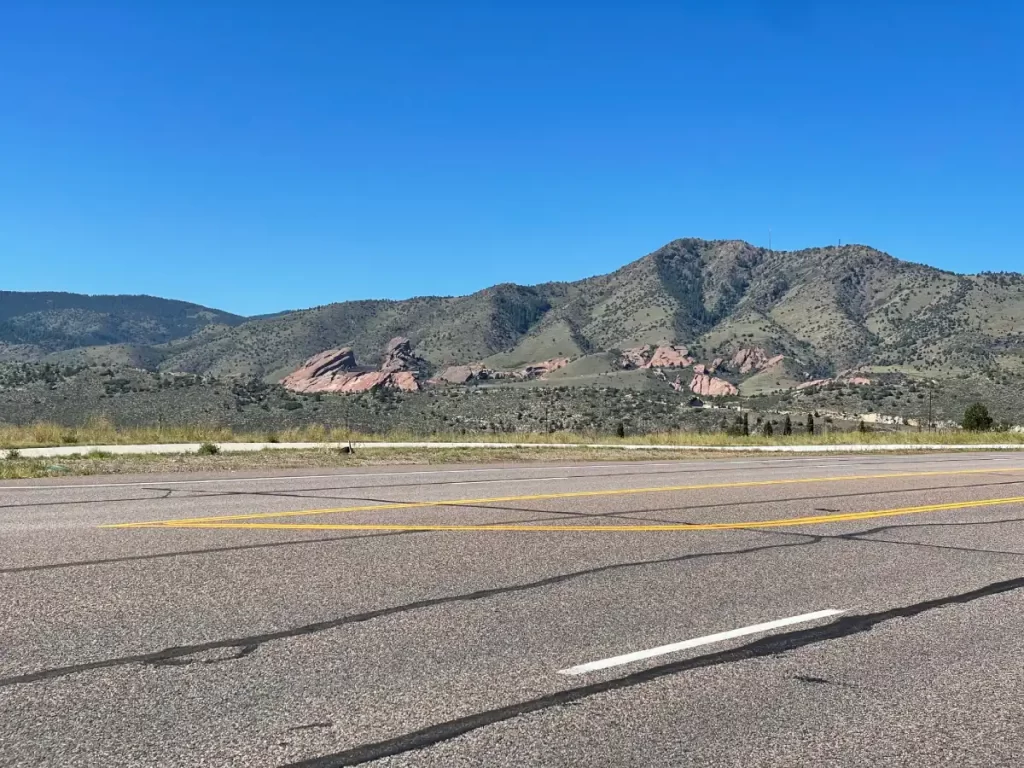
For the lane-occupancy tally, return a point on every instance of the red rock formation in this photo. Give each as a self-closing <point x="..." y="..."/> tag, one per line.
<point x="326" y="366"/>
<point x="636" y="357"/>
<point x="853" y="381"/>
<point x="356" y="382"/>
<point x="711" y="386"/>
<point x="753" y="359"/>
<point x="460" y="374"/>
<point x="663" y="356"/>
<point x="813" y="383"/>
<point x="405" y="381"/>
<point x="398" y="356"/>
<point x="335" y="370"/>
<point x="541" y="369"/>
<point x="670" y="357"/>
<point x="328" y="363"/>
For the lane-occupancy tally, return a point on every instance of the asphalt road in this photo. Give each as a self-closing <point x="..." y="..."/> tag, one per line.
<point x="455" y="616"/>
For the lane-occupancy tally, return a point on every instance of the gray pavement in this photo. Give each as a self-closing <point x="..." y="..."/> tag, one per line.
<point x="321" y="639"/>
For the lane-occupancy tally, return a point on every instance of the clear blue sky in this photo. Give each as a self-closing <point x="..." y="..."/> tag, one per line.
<point x="263" y="155"/>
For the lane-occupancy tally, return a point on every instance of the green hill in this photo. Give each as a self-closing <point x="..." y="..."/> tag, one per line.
<point x="443" y="330"/>
<point x="35" y="324"/>
<point x="827" y="309"/>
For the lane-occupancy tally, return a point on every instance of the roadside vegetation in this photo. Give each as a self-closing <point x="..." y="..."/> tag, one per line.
<point x="334" y="445"/>
<point x="74" y="398"/>
<point x="977" y="418"/>
<point x="766" y="432"/>
<point x="13" y="466"/>
<point x="86" y="408"/>
<point x="324" y="457"/>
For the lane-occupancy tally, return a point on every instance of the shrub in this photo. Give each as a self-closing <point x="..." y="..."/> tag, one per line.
<point x="14" y="453"/>
<point x="976" y="418"/>
<point x="208" y="449"/>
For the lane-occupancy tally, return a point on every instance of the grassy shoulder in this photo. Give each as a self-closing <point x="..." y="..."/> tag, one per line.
<point x="16" y="467"/>
<point x="102" y="432"/>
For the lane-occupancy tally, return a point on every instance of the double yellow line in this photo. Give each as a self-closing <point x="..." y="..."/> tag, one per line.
<point x="236" y="521"/>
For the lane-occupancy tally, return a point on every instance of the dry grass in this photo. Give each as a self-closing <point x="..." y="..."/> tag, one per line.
<point x="100" y="463"/>
<point x="102" y="432"/>
<point x="107" y="464"/>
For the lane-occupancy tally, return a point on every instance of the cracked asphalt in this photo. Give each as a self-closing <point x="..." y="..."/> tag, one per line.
<point x="322" y="639"/>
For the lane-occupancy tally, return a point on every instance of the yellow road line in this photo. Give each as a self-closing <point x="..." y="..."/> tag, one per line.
<point x="781" y="522"/>
<point x="548" y="496"/>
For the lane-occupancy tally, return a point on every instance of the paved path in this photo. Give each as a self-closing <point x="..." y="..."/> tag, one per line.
<point x="846" y="611"/>
<point x="230" y="447"/>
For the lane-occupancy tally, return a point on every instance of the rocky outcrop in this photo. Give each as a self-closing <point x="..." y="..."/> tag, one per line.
<point x="663" y="356"/>
<point x="711" y="386"/>
<point x="325" y="366"/>
<point x="635" y="357"/>
<point x="463" y="374"/>
<point x="403" y="380"/>
<point x="335" y="371"/>
<point x="852" y="381"/>
<point x="814" y="383"/>
<point x="541" y="369"/>
<point x="670" y="357"/>
<point x="753" y="359"/>
<point x="398" y="356"/>
<point x="352" y="383"/>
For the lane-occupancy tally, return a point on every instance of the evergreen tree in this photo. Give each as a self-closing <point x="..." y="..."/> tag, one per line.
<point x="976" y="418"/>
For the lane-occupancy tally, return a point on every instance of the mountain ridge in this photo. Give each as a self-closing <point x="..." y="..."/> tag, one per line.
<point x="830" y="308"/>
<point x="42" y="322"/>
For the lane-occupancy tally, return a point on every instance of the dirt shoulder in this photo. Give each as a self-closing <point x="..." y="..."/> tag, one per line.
<point x="99" y="463"/>
<point x="102" y="464"/>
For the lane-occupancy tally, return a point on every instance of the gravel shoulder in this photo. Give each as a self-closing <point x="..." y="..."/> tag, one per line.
<point x="28" y="468"/>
